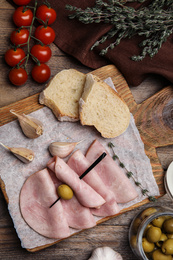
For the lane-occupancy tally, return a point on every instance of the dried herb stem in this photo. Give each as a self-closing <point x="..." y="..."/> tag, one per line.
<point x="130" y="174"/>
<point x="153" y="22"/>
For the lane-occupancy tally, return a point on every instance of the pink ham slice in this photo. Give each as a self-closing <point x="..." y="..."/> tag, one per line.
<point x="77" y="216"/>
<point x="87" y="196"/>
<point x="37" y="193"/>
<point x="111" y="174"/>
<point x="79" y="164"/>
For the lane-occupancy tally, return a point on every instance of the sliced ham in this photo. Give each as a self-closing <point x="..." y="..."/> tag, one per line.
<point x="37" y="194"/>
<point x="87" y="196"/>
<point x="77" y="216"/>
<point x="111" y="174"/>
<point x="79" y="164"/>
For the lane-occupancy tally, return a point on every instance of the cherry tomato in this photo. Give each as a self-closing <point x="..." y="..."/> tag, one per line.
<point x="41" y="73"/>
<point x="46" y="14"/>
<point x="45" y="34"/>
<point x="42" y="52"/>
<point x="21" y="2"/>
<point x="22" y="16"/>
<point x="19" y="36"/>
<point x="18" y="76"/>
<point x="14" y="56"/>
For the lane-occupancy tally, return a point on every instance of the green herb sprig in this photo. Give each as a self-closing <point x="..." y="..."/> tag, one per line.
<point x="130" y="174"/>
<point x="153" y="22"/>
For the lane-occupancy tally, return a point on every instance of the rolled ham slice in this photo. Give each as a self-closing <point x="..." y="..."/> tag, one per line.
<point x="111" y="174"/>
<point x="87" y="196"/>
<point x="79" y="164"/>
<point x="37" y="194"/>
<point x="78" y="216"/>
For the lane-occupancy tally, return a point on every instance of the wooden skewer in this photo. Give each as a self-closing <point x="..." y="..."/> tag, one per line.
<point x="85" y="172"/>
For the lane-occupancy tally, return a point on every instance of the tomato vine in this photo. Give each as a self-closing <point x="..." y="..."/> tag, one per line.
<point x="24" y="18"/>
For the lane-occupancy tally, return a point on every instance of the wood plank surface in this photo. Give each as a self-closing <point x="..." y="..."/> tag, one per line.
<point x="114" y="232"/>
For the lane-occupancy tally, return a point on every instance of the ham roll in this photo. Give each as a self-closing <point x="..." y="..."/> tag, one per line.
<point x="79" y="164"/>
<point x="111" y="174"/>
<point x="78" y="216"/>
<point x="86" y="195"/>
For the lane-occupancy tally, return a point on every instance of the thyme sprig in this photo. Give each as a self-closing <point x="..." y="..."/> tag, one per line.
<point x="130" y="174"/>
<point x="153" y="22"/>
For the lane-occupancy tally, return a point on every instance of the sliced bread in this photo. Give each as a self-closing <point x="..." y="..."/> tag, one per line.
<point x="101" y="107"/>
<point x="62" y="94"/>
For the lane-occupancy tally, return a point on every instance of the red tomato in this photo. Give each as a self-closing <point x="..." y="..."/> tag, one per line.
<point x="41" y="73"/>
<point x="18" y="76"/>
<point x="22" y="16"/>
<point x="21" y="2"/>
<point x="45" y="34"/>
<point x="46" y="14"/>
<point x="14" y="56"/>
<point x="42" y="52"/>
<point x="19" y="36"/>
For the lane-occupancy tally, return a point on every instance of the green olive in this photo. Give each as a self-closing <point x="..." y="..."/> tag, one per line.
<point x="167" y="247"/>
<point x="147" y="212"/>
<point x="147" y="227"/>
<point x="169" y="235"/>
<point x="161" y="240"/>
<point x="168" y="225"/>
<point x="136" y="224"/>
<point x="153" y="234"/>
<point x="158" y="222"/>
<point x="133" y="241"/>
<point x="147" y="246"/>
<point x="158" y="255"/>
<point x="167" y="217"/>
<point x="65" y="192"/>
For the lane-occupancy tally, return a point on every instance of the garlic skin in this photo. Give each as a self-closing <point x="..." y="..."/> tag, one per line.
<point x="105" y="253"/>
<point x="23" y="154"/>
<point x="62" y="149"/>
<point x="31" y="126"/>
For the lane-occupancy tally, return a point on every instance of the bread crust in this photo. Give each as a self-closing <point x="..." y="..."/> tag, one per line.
<point x="93" y="117"/>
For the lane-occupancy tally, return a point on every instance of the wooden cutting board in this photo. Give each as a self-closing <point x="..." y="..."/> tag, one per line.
<point x="152" y="117"/>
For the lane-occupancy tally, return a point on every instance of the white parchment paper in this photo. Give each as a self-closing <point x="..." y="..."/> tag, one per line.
<point x="13" y="172"/>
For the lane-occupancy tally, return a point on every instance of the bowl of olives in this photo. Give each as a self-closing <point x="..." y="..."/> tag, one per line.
<point x="151" y="234"/>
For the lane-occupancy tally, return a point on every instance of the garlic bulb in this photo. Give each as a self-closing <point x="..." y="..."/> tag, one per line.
<point x="23" y="154"/>
<point x="62" y="149"/>
<point x="31" y="126"/>
<point x="105" y="253"/>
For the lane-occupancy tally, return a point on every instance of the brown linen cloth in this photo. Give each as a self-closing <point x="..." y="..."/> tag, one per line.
<point x="76" y="39"/>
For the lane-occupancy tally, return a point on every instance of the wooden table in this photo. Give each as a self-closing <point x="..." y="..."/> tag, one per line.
<point x="113" y="233"/>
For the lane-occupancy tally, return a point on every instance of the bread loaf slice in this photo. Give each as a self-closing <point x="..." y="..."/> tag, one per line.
<point x="62" y="94"/>
<point x="100" y="106"/>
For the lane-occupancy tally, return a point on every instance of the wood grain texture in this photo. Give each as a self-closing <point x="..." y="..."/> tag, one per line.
<point x="114" y="232"/>
<point x="154" y="118"/>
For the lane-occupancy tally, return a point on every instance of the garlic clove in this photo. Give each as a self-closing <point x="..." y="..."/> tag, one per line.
<point x="105" y="253"/>
<point x="62" y="149"/>
<point x="23" y="154"/>
<point x="31" y="126"/>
